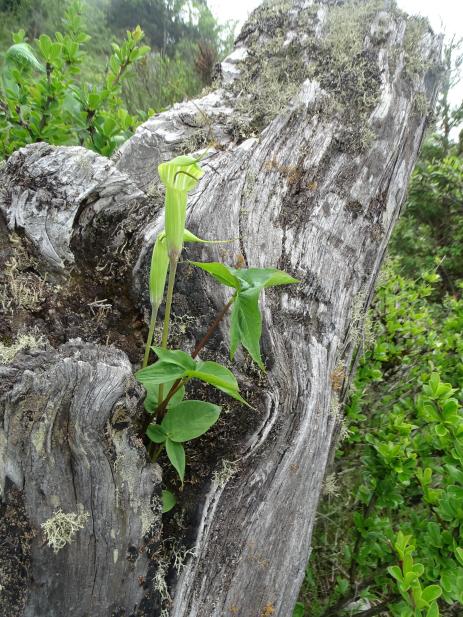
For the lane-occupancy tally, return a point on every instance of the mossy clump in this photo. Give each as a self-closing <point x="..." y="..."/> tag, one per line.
<point x="336" y="44"/>
<point x="414" y="65"/>
<point x="321" y="42"/>
<point x="21" y="343"/>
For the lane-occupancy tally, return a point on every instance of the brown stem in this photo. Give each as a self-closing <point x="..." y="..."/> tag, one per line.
<point x="20" y="120"/>
<point x="212" y="328"/>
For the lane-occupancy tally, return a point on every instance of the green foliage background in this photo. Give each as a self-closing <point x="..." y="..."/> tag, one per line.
<point x="86" y="73"/>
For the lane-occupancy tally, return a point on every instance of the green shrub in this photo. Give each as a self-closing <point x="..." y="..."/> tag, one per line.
<point x="44" y="98"/>
<point x="394" y="535"/>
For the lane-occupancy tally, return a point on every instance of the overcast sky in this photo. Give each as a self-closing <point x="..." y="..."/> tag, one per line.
<point x="444" y="15"/>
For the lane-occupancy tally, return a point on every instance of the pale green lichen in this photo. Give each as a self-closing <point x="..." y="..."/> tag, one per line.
<point x="330" y="485"/>
<point x="335" y="407"/>
<point x="201" y="138"/>
<point x="61" y="528"/>
<point x="22" y="342"/>
<point x="421" y="104"/>
<point x="414" y="64"/>
<point x="127" y="470"/>
<point x="180" y="555"/>
<point x="335" y="45"/>
<point x="344" y="430"/>
<point x="38" y="436"/>
<point x="160" y="585"/>
<point x="227" y="470"/>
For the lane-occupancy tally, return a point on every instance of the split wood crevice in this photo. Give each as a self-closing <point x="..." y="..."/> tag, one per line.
<point x="314" y="128"/>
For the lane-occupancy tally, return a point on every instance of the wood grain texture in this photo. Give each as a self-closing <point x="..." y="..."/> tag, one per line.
<point x="45" y="202"/>
<point x="313" y="130"/>
<point x="67" y="444"/>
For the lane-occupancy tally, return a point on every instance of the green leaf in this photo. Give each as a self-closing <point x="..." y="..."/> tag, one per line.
<point x="450" y="407"/>
<point x="189" y="420"/>
<point x="299" y="610"/>
<point x="434" y="382"/>
<point x="44" y="43"/>
<point x="168" y="501"/>
<point x="440" y="430"/>
<point x="264" y="277"/>
<point x="159" y="373"/>
<point x="23" y="56"/>
<point x="218" y="376"/>
<point x="459" y="554"/>
<point x="156" y="433"/>
<point x="175" y="356"/>
<point x="176" y="454"/>
<point x="431" y="593"/>
<point x="434" y="531"/>
<point x="219" y="271"/>
<point x="455" y="473"/>
<point x="246" y="324"/>
<point x="433" y="610"/>
<point x="396" y="573"/>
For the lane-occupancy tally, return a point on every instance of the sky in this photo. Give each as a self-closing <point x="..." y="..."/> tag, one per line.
<point x="445" y="16"/>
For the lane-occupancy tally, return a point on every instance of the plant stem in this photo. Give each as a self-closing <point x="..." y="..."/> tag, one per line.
<point x="170" y="294"/>
<point x="149" y="340"/>
<point x="212" y="328"/>
<point x="157" y="454"/>
<point x="163" y="406"/>
<point x="173" y="261"/>
<point x="351" y="594"/>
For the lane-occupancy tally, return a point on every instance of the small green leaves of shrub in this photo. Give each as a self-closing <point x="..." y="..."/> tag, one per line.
<point x="246" y="321"/>
<point x="420" y="601"/>
<point x="299" y="610"/>
<point x="168" y="501"/>
<point x="44" y="97"/>
<point x="401" y="461"/>
<point x="184" y="422"/>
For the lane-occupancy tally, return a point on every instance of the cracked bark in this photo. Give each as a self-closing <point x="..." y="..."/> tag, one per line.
<point x="313" y="145"/>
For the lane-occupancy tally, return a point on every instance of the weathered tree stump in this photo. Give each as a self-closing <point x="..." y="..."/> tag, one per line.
<point x="313" y="130"/>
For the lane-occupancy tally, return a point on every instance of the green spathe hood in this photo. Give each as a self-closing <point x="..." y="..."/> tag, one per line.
<point x="181" y="174"/>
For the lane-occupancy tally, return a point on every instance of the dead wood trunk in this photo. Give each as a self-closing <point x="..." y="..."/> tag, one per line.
<point x="314" y="128"/>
